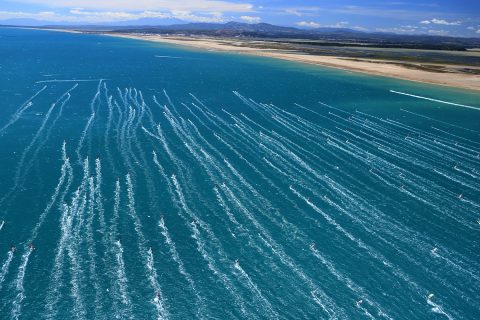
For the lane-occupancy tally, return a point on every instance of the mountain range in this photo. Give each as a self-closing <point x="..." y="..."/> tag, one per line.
<point x="325" y="35"/>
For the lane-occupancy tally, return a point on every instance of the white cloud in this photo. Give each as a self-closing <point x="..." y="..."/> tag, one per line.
<point x="294" y="12"/>
<point x="311" y="24"/>
<point x="441" y="22"/>
<point x="301" y="11"/>
<point x="190" y="16"/>
<point x="141" y="5"/>
<point x="250" y="19"/>
<point x="359" y="28"/>
<point x="438" y="32"/>
<point x="79" y="15"/>
<point x="341" y="24"/>
<point x="404" y="29"/>
<point x="308" y="24"/>
<point x="43" y="15"/>
<point x="478" y="31"/>
<point x="119" y="15"/>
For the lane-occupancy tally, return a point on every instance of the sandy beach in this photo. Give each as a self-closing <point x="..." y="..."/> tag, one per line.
<point x="382" y="68"/>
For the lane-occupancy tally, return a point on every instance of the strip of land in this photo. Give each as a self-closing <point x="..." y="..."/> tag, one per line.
<point x="454" y="75"/>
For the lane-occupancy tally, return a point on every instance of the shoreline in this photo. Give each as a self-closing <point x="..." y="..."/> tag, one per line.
<point x="391" y="69"/>
<point x="385" y="68"/>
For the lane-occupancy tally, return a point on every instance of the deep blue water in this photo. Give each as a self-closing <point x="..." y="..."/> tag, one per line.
<point x="142" y="181"/>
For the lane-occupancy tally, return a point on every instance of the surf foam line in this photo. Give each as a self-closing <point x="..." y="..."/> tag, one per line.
<point x="435" y="100"/>
<point x="27" y="104"/>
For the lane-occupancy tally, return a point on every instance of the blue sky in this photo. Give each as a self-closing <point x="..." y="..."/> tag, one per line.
<point x="439" y="17"/>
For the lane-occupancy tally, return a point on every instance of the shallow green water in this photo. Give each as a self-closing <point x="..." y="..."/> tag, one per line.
<point x="161" y="182"/>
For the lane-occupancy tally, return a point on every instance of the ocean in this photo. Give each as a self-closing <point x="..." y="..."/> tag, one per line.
<point x="149" y="181"/>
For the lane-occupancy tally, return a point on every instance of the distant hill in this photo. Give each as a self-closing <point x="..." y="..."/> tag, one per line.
<point x="334" y="36"/>
<point x="239" y="28"/>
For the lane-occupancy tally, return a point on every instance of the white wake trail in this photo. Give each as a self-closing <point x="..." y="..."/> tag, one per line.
<point x="435" y="100"/>
<point x="272" y="314"/>
<point x="89" y="122"/>
<point x="19" y="285"/>
<point x="181" y="267"/>
<point x="21" y="172"/>
<point x="6" y="267"/>
<point x="83" y="136"/>
<point x="159" y="300"/>
<point x="65" y="171"/>
<point x="70" y="80"/>
<point x="26" y="105"/>
<point x="73" y="250"/>
<point x="201" y="246"/>
<point x="121" y="284"/>
<point x="99" y="200"/>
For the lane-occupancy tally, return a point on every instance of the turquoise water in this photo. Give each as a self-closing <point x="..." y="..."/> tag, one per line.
<point x="158" y="182"/>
